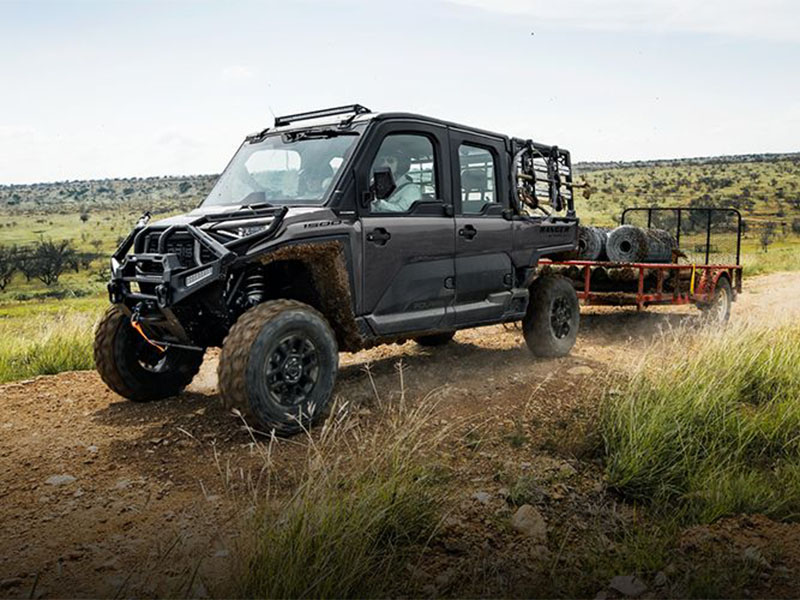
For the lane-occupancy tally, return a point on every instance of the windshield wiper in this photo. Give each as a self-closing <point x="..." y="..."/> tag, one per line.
<point x="314" y="134"/>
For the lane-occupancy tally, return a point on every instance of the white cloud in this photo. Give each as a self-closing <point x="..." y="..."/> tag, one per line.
<point x="775" y="20"/>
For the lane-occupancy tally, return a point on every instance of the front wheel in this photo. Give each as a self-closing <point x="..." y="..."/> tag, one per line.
<point x="134" y="368"/>
<point x="550" y="325"/>
<point x="278" y="365"/>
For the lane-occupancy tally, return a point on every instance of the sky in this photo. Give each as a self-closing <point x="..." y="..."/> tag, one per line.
<point x="92" y="89"/>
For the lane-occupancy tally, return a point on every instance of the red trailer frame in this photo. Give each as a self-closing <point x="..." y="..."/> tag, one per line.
<point x="692" y="283"/>
<point x="701" y="283"/>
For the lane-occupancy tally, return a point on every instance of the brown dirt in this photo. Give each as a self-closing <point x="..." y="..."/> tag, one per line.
<point x="150" y="510"/>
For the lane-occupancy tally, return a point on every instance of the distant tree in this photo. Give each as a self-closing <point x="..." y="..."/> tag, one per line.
<point x="9" y="256"/>
<point x="84" y="217"/>
<point x="767" y="236"/>
<point x="26" y="262"/>
<point x="51" y="259"/>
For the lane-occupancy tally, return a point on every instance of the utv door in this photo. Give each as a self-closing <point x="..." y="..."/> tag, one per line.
<point x="483" y="234"/>
<point x="408" y="238"/>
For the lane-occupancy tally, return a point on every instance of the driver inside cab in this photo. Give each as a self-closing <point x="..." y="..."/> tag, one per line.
<point x="407" y="191"/>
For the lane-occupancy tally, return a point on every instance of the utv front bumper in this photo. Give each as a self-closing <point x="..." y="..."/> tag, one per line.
<point x="172" y="263"/>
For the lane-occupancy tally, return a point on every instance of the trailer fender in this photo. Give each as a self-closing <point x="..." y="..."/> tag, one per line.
<point x="708" y="283"/>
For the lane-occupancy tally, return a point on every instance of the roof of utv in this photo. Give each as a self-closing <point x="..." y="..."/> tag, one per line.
<point x="355" y="113"/>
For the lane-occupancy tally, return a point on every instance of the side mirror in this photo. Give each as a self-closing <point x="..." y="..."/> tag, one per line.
<point x="383" y="184"/>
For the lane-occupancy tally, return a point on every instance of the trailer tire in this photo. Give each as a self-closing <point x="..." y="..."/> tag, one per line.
<point x="550" y="325"/>
<point x="718" y="311"/>
<point x="278" y="366"/>
<point x="135" y="369"/>
<point x="435" y="339"/>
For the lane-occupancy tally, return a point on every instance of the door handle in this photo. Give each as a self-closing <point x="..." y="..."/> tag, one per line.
<point x="379" y="236"/>
<point x="468" y="232"/>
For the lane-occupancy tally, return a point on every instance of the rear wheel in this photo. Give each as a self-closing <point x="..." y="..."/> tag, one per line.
<point x="435" y="339"/>
<point x="718" y="311"/>
<point x="134" y="368"/>
<point x="278" y="365"/>
<point x="550" y="325"/>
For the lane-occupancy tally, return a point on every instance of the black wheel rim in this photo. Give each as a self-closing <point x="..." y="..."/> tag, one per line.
<point x="149" y="357"/>
<point x="561" y="317"/>
<point x="292" y="369"/>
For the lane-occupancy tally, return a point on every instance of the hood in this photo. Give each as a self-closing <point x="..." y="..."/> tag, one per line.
<point x="240" y="215"/>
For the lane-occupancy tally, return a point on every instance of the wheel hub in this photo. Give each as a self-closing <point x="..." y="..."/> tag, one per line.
<point x="561" y="317"/>
<point x="292" y="369"/>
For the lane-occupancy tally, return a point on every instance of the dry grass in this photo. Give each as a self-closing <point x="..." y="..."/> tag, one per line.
<point x="715" y="429"/>
<point x="44" y="343"/>
<point x="366" y="506"/>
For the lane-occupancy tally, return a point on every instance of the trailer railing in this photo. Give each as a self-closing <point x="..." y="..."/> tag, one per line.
<point x="708" y="227"/>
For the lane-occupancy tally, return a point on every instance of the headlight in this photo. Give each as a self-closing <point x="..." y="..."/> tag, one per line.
<point x="245" y="231"/>
<point x="199" y="276"/>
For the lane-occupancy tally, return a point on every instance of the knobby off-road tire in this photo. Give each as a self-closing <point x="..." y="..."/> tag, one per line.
<point x="550" y="325"/>
<point x="435" y="339"/>
<point x="278" y="366"/>
<point x="135" y="369"/>
<point x="718" y="311"/>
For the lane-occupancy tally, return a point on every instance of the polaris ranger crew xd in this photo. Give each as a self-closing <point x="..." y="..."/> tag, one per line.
<point x="337" y="230"/>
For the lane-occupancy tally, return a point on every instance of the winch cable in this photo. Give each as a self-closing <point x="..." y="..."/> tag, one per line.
<point x="138" y="327"/>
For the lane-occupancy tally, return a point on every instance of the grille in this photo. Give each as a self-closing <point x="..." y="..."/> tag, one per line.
<point x="181" y="244"/>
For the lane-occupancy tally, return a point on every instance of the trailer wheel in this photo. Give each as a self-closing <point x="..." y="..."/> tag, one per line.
<point x="135" y="369"/>
<point x="435" y="339"/>
<point x="550" y="325"/>
<point x="278" y="365"/>
<point x="718" y="311"/>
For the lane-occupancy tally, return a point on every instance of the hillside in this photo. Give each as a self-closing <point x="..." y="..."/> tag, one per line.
<point x="747" y="182"/>
<point x="72" y="196"/>
<point x="765" y="188"/>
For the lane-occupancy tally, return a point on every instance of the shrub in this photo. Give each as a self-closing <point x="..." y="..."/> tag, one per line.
<point x="50" y="345"/>
<point x="714" y="431"/>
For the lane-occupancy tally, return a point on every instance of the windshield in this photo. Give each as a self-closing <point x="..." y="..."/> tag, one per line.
<point x="291" y="168"/>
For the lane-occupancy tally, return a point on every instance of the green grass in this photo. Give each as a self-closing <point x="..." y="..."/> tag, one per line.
<point x="713" y="430"/>
<point x="44" y="338"/>
<point x="778" y="258"/>
<point x="357" y="518"/>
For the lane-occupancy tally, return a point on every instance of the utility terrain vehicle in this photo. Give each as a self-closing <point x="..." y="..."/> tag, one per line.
<point x="337" y="230"/>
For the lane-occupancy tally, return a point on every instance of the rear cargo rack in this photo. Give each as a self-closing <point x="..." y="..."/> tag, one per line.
<point x="354" y="109"/>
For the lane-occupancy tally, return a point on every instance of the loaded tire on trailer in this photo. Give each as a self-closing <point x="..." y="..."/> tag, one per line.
<point x="550" y="325"/>
<point x="718" y="311"/>
<point x="278" y="365"/>
<point x="435" y="339"/>
<point x="133" y="367"/>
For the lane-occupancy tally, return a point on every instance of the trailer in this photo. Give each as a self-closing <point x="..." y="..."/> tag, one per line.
<point x="707" y="273"/>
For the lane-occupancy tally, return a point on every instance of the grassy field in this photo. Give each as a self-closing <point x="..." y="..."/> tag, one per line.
<point x="43" y="338"/>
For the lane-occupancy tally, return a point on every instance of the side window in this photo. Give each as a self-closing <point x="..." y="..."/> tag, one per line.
<point x="477" y="179"/>
<point x="412" y="159"/>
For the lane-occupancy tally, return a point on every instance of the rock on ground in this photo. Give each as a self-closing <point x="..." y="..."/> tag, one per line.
<point x="530" y="522"/>
<point x="628" y="585"/>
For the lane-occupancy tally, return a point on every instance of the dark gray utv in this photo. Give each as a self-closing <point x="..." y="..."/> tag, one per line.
<point x="337" y="230"/>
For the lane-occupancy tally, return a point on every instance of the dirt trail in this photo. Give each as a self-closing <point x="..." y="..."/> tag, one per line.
<point x="99" y="495"/>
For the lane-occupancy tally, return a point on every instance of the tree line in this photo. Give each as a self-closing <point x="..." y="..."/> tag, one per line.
<point x="44" y="260"/>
